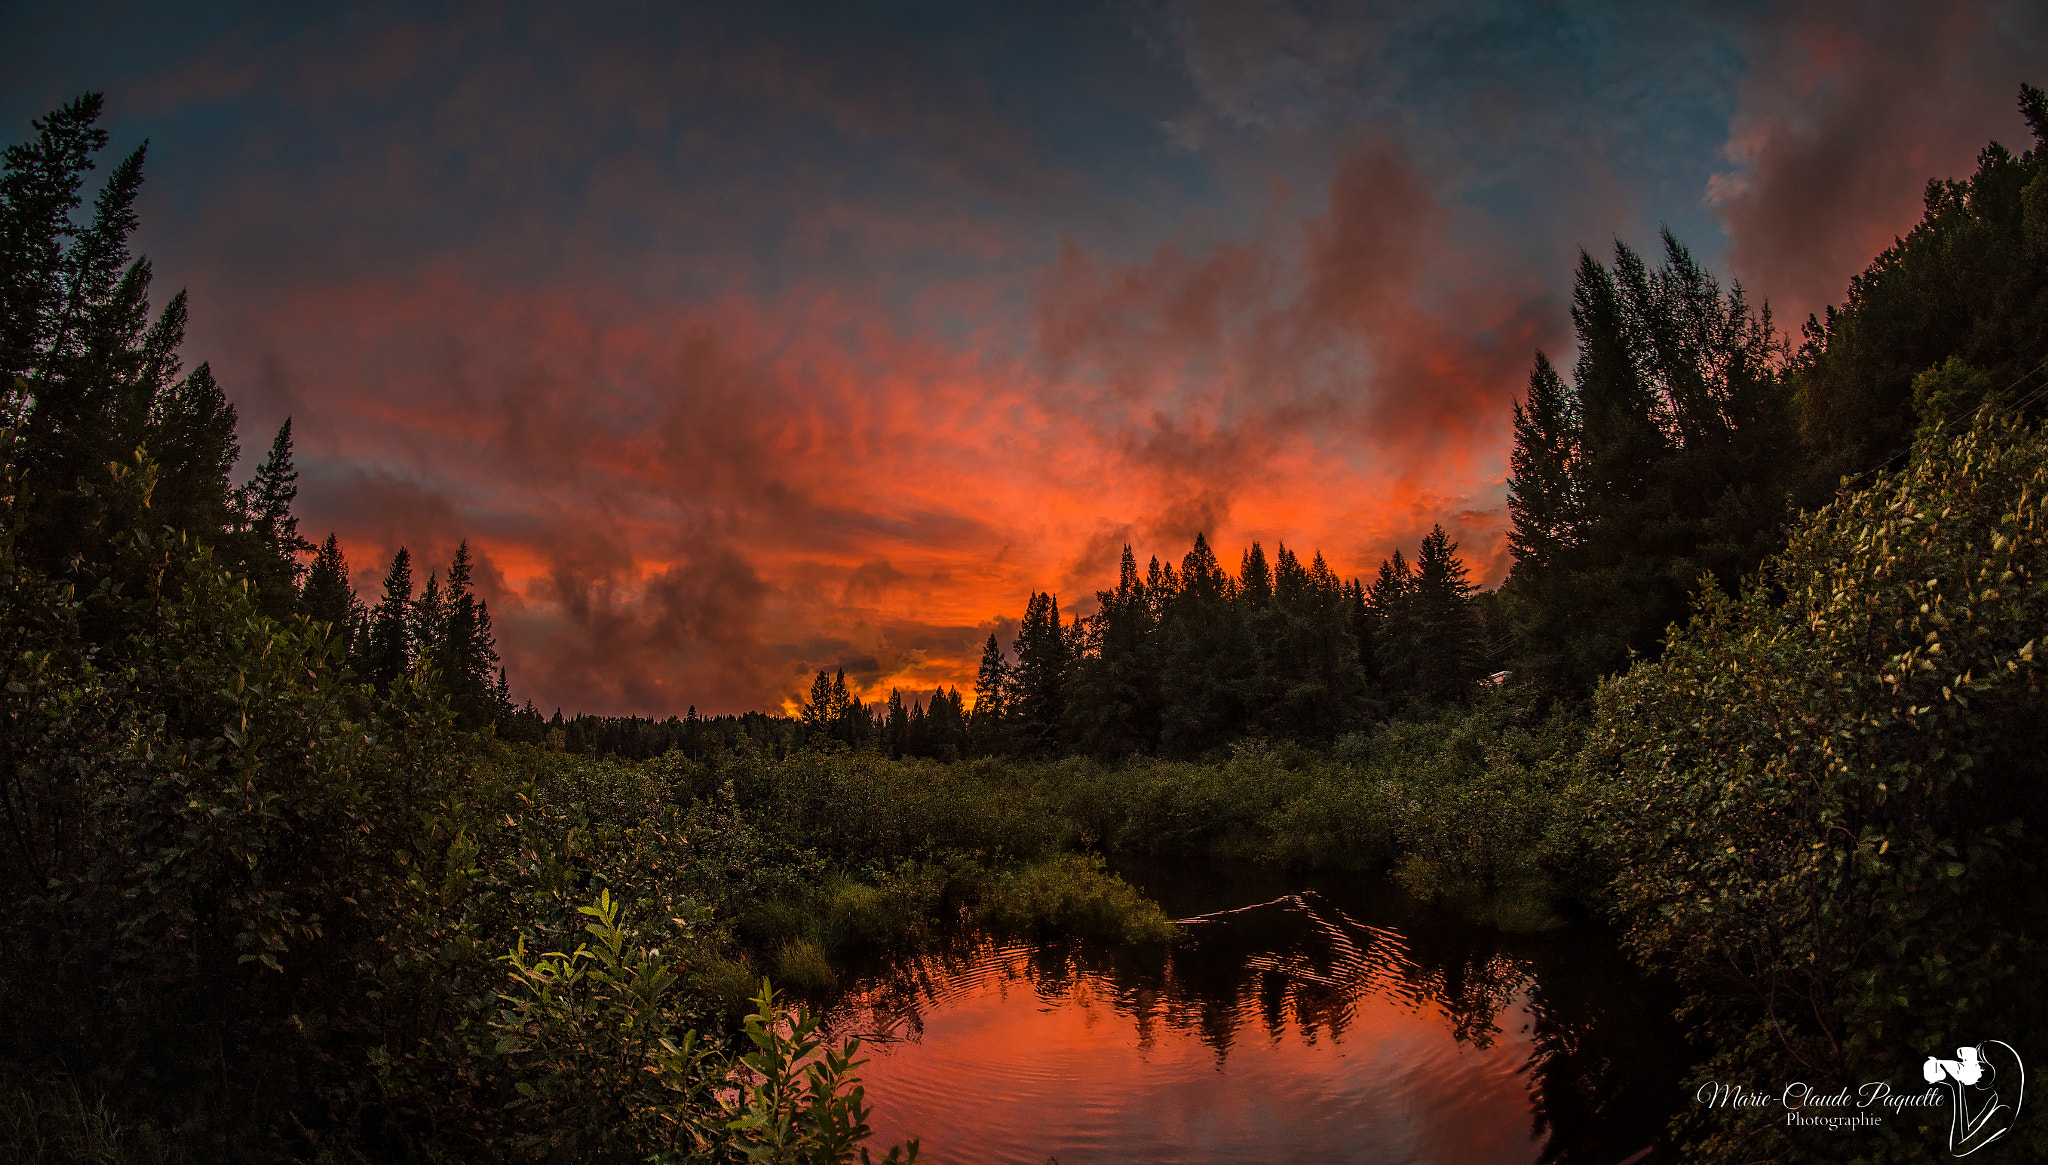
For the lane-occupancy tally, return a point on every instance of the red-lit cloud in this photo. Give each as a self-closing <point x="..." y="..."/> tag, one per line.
<point x="702" y="502"/>
<point x="1848" y="111"/>
<point x="739" y="347"/>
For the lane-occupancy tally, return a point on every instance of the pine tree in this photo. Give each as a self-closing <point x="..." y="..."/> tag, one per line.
<point x="467" y="652"/>
<point x="989" y="728"/>
<point x="85" y="378"/>
<point x="850" y="720"/>
<point x="1044" y="659"/>
<point x="430" y="623"/>
<point x="896" y="726"/>
<point x="1396" y="629"/>
<point x="1544" y="504"/>
<point x="329" y="598"/>
<point x="272" y="557"/>
<point x="1312" y="672"/>
<point x="1207" y="657"/>
<point x="1114" y="709"/>
<point x="388" y="654"/>
<point x="1447" y="628"/>
<point x="1670" y="456"/>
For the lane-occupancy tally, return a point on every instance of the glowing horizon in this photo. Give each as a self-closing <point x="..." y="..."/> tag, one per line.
<point x="742" y="345"/>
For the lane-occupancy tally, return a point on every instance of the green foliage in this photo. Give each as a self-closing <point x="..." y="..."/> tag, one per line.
<point x="1968" y="283"/>
<point x="593" y="1053"/>
<point x="1824" y="806"/>
<point x="802" y="1103"/>
<point x="1483" y="822"/>
<point x="1071" y="894"/>
<point x="1671" y="454"/>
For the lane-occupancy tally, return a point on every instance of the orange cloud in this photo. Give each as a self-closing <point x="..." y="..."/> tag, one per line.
<point x="702" y="502"/>
<point x="1847" y="112"/>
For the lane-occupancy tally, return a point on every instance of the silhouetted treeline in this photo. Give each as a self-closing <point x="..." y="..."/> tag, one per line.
<point x="1688" y="435"/>
<point x="643" y="738"/>
<point x="1181" y="659"/>
<point x="1691" y="432"/>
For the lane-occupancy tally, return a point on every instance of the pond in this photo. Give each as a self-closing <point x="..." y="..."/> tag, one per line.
<point x="1299" y="1020"/>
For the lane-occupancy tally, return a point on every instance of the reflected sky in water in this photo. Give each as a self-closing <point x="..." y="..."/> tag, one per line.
<point x="1335" y="1023"/>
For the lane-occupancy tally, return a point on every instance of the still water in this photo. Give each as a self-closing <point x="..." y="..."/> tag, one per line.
<point x="1298" y="1020"/>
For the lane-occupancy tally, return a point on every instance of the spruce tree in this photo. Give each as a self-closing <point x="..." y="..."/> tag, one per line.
<point x="271" y="556"/>
<point x="329" y="598"/>
<point x="86" y="378"/>
<point x="1310" y="658"/>
<point x="1207" y="657"/>
<point x="1544" y="504"/>
<point x="468" y="654"/>
<point x="989" y="728"/>
<point x="1114" y="709"/>
<point x="388" y="653"/>
<point x="896" y="726"/>
<point x="1039" y="686"/>
<point x="1447" y="628"/>
<point x="1669" y="456"/>
<point x="1396" y="630"/>
<point x="816" y="712"/>
<point x="430" y="623"/>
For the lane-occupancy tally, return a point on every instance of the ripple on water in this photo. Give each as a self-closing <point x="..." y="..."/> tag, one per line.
<point x="1286" y="1030"/>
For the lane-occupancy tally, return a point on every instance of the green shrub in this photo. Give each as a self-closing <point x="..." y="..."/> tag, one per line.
<point x="802" y="964"/>
<point x="1825" y="807"/>
<point x="1072" y="894"/>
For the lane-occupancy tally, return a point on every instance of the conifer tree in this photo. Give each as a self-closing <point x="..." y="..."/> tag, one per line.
<point x="817" y="712"/>
<point x="85" y="378"/>
<point x="1114" y="710"/>
<point x="272" y="558"/>
<point x="1397" y="632"/>
<point x="388" y="652"/>
<point x="896" y="725"/>
<point x="1447" y="628"/>
<point x="1669" y="456"/>
<point x="1039" y="685"/>
<point x="329" y="598"/>
<point x="1543" y="485"/>
<point x="990" y="725"/>
<point x="430" y="623"/>
<point x="1207" y="657"/>
<point x="467" y="649"/>
<point x="1312" y="679"/>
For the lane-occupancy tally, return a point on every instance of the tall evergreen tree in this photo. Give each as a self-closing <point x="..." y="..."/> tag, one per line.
<point x="896" y="725"/>
<point x="1544" y="506"/>
<point x="989" y="728"/>
<point x="1449" y="655"/>
<point x="817" y="712"/>
<point x="1396" y="629"/>
<point x="1039" y="685"/>
<point x="388" y="653"/>
<point x="1207" y="656"/>
<point x="1671" y="455"/>
<point x="1310" y="659"/>
<point x="329" y="598"/>
<point x="85" y="377"/>
<point x="1114" y="710"/>
<point x="468" y="654"/>
<point x="430" y="623"/>
<point x="271" y="557"/>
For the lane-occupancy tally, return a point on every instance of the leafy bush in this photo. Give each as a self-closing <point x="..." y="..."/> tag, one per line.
<point x="1071" y="894"/>
<point x="1825" y="807"/>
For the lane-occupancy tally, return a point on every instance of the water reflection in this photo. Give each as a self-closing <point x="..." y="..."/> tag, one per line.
<point x="1291" y="1029"/>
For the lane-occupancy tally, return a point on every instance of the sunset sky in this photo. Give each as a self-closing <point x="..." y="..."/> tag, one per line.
<point x="746" y="340"/>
